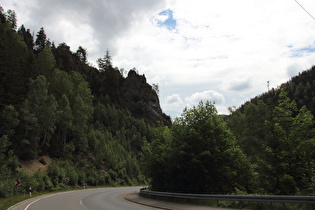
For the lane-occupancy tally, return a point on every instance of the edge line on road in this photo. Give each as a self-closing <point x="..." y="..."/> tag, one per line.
<point x="31" y="204"/>
<point x="144" y="203"/>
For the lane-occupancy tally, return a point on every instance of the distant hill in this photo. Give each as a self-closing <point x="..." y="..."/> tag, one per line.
<point x="300" y="88"/>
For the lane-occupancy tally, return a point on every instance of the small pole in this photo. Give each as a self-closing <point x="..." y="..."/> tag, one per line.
<point x="268" y="83"/>
<point x="30" y="191"/>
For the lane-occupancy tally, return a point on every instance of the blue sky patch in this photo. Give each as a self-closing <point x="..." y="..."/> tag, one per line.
<point x="170" y="22"/>
<point x="302" y="51"/>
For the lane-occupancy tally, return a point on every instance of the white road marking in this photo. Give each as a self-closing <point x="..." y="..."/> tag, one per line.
<point x="36" y="201"/>
<point x="31" y="204"/>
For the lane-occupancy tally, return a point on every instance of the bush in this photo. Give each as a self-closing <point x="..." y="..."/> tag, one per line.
<point x="112" y="174"/>
<point x="43" y="180"/>
<point x="56" y="174"/>
<point x="6" y="182"/>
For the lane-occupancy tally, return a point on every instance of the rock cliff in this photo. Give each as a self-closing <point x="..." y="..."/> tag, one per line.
<point x="142" y="100"/>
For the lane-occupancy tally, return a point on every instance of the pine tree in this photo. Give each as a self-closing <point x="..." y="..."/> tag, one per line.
<point x="41" y="39"/>
<point x="105" y="62"/>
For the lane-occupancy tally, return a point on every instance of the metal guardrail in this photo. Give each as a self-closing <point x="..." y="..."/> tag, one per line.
<point x="250" y="198"/>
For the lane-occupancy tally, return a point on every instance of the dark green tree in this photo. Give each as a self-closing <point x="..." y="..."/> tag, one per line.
<point x="15" y="66"/>
<point x="82" y="54"/>
<point x="209" y="160"/>
<point x="105" y="62"/>
<point x="27" y="36"/>
<point x="3" y="18"/>
<point x="41" y="40"/>
<point x="82" y="109"/>
<point x="11" y="18"/>
<point x="26" y="145"/>
<point x="64" y="125"/>
<point x="8" y="120"/>
<point x="64" y="58"/>
<point x="45" y="62"/>
<point x="274" y="135"/>
<point x="6" y="187"/>
<point x="38" y="117"/>
<point x="157" y="159"/>
<point x="202" y="157"/>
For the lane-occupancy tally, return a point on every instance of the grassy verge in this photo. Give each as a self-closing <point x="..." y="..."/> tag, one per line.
<point x="5" y="203"/>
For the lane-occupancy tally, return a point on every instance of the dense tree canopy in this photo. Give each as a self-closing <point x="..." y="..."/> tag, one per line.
<point x="274" y="137"/>
<point x="202" y="155"/>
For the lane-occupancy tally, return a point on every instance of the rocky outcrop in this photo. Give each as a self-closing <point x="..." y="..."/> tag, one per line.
<point x="142" y="100"/>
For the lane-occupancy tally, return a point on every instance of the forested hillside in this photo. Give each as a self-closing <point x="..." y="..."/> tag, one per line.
<point x="91" y="122"/>
<point x="100" y="127"/>
<point x="276" y="131"/>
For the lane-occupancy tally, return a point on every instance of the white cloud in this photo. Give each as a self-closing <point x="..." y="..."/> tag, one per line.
<point x="174" y="104"/>
<point x="239" y="84"/>
<point x="209" y="95"/>
<point x="95" y="25"/>
<point x="232" y="47"/>
<point x="174" y="100"/>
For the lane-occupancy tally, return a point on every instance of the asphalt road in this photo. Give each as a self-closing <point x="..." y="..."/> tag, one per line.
<point x="119" y="198"/>
<point x="90" y="199"/>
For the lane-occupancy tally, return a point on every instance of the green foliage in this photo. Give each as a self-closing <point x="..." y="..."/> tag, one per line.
<point x="45" y="62"/>
<point x="82" y="54"/>
<point x="6" y="166"/>
<point x="8" y="120"/>
<point x="15" y="64"/>
<point x="6" y="182"/>
<point x="27" y="37"/>
<point x="38" y="111"/>
<point x="43" y="180"/>
<point x="274" y="135"/>
<point x="105" y="62"/>
<point x="41" y="40"/>
<point x="199" y="155"/>
<point x="157" y="158"/>
<point x="65" y="59"/>
<point x="11" y="18"/>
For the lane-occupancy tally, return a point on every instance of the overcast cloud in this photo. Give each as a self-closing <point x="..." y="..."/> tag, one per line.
<point x="222" y="51"/>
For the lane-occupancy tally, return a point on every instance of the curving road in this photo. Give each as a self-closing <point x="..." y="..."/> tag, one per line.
<point x="90" y="199"/>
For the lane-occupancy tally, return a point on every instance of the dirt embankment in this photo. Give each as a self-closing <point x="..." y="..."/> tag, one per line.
<point x="31" y="166"/>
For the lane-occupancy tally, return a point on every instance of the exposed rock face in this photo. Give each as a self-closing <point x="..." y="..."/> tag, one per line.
<point x="142" y="100"/>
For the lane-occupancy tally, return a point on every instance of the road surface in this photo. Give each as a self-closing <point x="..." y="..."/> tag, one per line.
<point x="90" y="199"/>
<point x="102" y="199"/>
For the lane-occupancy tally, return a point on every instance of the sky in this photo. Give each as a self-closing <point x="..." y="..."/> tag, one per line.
<point x="223" y="51"/>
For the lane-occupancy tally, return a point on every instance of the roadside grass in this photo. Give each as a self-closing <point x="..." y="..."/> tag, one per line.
<point x="5" y="203"/>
